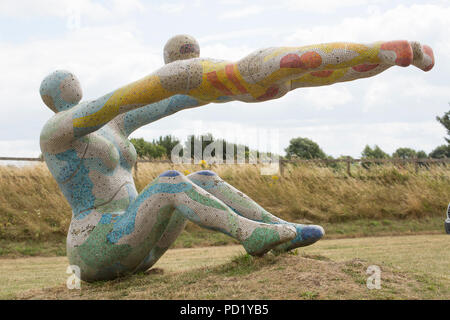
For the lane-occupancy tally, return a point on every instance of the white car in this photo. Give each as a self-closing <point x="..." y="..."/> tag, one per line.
<point x="447" y="221"/>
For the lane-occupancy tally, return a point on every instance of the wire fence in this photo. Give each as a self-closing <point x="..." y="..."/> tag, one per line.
<point x="418" y="163"/>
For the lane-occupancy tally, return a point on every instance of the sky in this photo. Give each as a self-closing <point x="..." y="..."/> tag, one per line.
<point x="110" y="43"/>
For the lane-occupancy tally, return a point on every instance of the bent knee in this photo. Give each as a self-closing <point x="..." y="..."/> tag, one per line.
<point x="170" y="173"/>
<point x="205" y="179"/>
<point x="205" y="173"/>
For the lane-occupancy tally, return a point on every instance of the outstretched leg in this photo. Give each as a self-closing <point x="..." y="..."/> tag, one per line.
<point x="246" y="207"/>
<point x="422" y="58"/>
<point x="165" y="203"/>
<point x="275" y="65"/>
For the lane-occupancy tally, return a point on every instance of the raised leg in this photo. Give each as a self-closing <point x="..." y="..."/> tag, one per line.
<point x="275" y="65"/>
<point x="422" y="58"/>
<point x="246" y="207"/>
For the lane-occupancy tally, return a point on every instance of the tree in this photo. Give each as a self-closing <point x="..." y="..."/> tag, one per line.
<point x="375" y="153"/>
<point x="304" y="148"/>
<point x="147" y="150"/>
<point x="421" y="154"/>
<point x="441" y="152"/>
<point x="445" y="121"/>
<point x="205" y="140"/>
<point x="168" y="142"/>
<point x="405" y="153"/>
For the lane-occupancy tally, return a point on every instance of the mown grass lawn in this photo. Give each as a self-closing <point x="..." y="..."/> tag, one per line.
<point x="413" y="267"/>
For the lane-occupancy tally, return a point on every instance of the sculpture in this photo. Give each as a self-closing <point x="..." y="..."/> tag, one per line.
<point x="116" y="231"/>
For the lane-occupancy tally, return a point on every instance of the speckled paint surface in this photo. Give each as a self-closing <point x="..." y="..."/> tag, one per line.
<point x="116" y="231"/>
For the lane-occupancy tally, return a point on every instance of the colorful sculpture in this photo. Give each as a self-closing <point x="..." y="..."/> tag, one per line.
<point x="116" y="231"/>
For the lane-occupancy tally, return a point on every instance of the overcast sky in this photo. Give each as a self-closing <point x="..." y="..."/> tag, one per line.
<point x="108" y="44"/>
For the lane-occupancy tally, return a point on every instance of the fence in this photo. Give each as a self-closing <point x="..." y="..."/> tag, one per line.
<point x="282" y="162"/>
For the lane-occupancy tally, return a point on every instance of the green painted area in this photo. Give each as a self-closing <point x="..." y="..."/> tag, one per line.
<point x="113" y="206"/>
<point x="267" y="217"/>
<point x="162" y="220"/>
<point x="260" y="239"/>
<point x="97" y="252"/>
<point x="52" y="126"/>
<point x="245" y="202"/>
<point x="197" y="197"/>
<point x="233" y="222"/>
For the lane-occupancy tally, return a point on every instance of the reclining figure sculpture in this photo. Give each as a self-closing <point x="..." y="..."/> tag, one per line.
<point x="115" y="231"/>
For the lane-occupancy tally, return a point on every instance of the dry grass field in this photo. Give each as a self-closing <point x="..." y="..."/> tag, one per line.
<point x="384" y="200"/>
<point x="412" y="267"/>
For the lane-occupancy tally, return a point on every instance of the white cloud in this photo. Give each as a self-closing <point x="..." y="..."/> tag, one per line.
<point x="111" y="48"/>
<point x="322" y="6"/>
<point x="221" y="51"/>
<point x="88" y="10"/>
<point x="242" y="12"/>
<point x="19" y="148"/>
<point x="425" y="22"/>
<point x="172" y="8"/>
<point x="326" y="100"/>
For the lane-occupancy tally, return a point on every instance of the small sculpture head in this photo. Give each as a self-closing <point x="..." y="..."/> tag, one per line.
<point x="181" y="47"/>
<point x="60" y="90"/>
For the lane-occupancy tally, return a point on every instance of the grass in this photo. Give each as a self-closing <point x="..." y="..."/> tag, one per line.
<point x="413" y="267"/>
<point x="195" y="237"/>
<point x="382" y="200"/>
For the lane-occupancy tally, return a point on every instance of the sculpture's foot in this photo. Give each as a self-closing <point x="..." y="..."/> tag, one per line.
<point x="306" y="235"/>
<point x="398" y="52"/>
<point x="423" y="56"/>
<point x="267" y="237"/>
<point x="404" y="53"/>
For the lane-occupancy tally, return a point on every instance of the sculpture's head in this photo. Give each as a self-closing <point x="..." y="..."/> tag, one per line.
<point x="60" y="90"/>
<point x="181" y="47"/>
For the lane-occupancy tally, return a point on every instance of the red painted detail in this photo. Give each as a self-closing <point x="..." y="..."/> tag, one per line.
<point x="311" y="60"/>
<point x="269" y="94"/>
<point x="308" y="60"/>
<point x="322" y="74"/>
<point x="402" y="49"/>
<point x="290" y="60"/>
<point x="365" y="67"/>
<point x="230" y="75"/>
<point x="212" y="77"/>
<point x="428" y="51"/>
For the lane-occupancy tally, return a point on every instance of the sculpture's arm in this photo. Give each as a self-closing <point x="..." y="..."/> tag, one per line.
<point x="134" y="119"/>
<point x="66" y="126"/>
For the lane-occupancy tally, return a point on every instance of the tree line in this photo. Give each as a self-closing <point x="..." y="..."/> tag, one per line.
<point x="300" y="147"/>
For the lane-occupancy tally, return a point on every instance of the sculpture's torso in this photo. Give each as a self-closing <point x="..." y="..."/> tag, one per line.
<point x="94" y="174"/>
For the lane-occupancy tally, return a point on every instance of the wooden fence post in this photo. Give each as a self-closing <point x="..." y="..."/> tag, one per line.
<point x="348" y="167"/>
<point x="281" y="164"/>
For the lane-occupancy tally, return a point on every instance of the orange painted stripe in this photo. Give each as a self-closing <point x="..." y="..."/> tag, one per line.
<point x="322" y="74"/>
<point x="230" y="75"/>
<point x="212" y="77"/>
<point x="364" y="67"/>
